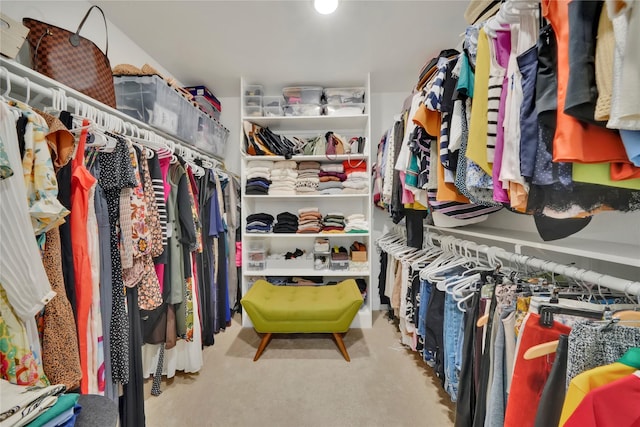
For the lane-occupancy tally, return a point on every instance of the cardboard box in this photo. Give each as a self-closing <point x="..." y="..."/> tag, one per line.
<point x="359" y="256"/>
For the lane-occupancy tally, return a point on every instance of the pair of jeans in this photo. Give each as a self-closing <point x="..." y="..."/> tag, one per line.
<point x="453" y="335"/>
<point x="497" y="401"/>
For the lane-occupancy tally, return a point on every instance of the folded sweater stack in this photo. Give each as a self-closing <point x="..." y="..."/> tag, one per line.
<point x="331" y="177"/>
<point x="258" y="177"/>
<point x="356" y="223"/>
<point x="333" y="223"/>
<point x="308" y="180"/>
<point x="357" y="181"/>
<point x="309" y="220"/>
<point x="284" y="175"/>
<point x="287" y="223"/>
<point x="259" y="223"/>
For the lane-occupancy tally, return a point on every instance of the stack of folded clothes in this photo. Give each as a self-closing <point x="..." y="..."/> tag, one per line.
<point x="357" y="181"/>
<point x="333" y="223"/>
<point x="331" y="176"/>
<point x="356" y="223"/>
<point x="284" y="175"/>
<point x="310" y="220"/>
<point x="259" y="223"/>
<point x="258" y="177"/>
<point x="287" y="223"/>
<point x="308" y="179"/>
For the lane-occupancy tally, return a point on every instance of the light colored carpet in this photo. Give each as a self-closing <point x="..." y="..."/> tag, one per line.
<point x="303" y="381"/>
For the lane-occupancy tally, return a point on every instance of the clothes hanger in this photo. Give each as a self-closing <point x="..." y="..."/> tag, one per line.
<point x="627" y="317"/>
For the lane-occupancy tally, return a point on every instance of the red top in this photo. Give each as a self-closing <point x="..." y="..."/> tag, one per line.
<point x="616" y="404"/>
<point x="81" y="183"/>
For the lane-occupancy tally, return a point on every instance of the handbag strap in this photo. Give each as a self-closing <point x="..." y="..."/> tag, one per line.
<point x="75" y="38"/>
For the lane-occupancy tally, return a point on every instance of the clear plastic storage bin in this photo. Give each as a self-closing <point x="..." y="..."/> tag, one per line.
<point x="151" y="100"/>
<point x="339" y="265"/>
<point x="253" y="101"/>
<point x="253" y="90"/>
<point x="302" y="94"/>
<point x="344" y="95"/>
<point x="210" y="135"/>
<point x="303" y="110"/>
<point x="256" y="265"/>
<point x="321" y="260"/>
<point x="344" y="109"/>
<point x="272" y="106"/>
<point x="253" y="111"/>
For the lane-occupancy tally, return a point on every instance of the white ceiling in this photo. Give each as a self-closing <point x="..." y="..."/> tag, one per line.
<point x="287" y="42"/>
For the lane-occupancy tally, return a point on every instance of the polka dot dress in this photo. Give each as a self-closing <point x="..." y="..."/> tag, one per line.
<point x="116" y="174"/>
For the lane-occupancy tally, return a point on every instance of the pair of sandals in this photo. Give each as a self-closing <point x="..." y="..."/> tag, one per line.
<point x="292" y="255"/>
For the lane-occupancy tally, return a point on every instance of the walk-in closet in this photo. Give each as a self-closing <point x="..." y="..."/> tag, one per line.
<point x="320" y="213"/>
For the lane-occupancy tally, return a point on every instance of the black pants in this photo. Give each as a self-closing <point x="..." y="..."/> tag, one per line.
<point x="552" y="399"/>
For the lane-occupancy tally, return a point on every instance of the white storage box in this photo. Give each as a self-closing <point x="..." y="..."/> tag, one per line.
<point x="344" y="109"/>
<point x="344" y="95"/>
<point x="302" y="94"/>
<point x="303" y="110"/>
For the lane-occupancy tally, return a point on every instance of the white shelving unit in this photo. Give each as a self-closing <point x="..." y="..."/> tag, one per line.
<point x="353" y="125"/>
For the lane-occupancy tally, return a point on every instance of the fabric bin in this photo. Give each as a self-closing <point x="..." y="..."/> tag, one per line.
<point x="344" y="95"/>
<point x="302" y="94"/>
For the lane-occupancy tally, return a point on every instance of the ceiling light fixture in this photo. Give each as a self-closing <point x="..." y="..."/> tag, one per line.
<point x="325" y="7"/>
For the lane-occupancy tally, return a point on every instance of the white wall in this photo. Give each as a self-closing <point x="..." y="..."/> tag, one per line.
<point x="68" y="14"/>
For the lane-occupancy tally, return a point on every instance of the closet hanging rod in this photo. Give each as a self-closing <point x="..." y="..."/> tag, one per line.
<point x="628" y="287"/>
<point x="38" y="86"/>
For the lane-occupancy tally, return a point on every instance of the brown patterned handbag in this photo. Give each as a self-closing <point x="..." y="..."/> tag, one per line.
<point x="71" y="59"/>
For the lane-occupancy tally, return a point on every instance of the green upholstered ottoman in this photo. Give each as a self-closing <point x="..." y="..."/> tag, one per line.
<point x="302" y="309"/>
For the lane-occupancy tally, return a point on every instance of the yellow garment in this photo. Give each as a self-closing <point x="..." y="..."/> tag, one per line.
<point x="598" y="173"/>
<point x="477" y="145"/>
<point x="416" y="206"/>
<point x="589" y="380"/>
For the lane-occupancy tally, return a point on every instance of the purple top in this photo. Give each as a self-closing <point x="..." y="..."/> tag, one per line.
<point x="502" y="45"/>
